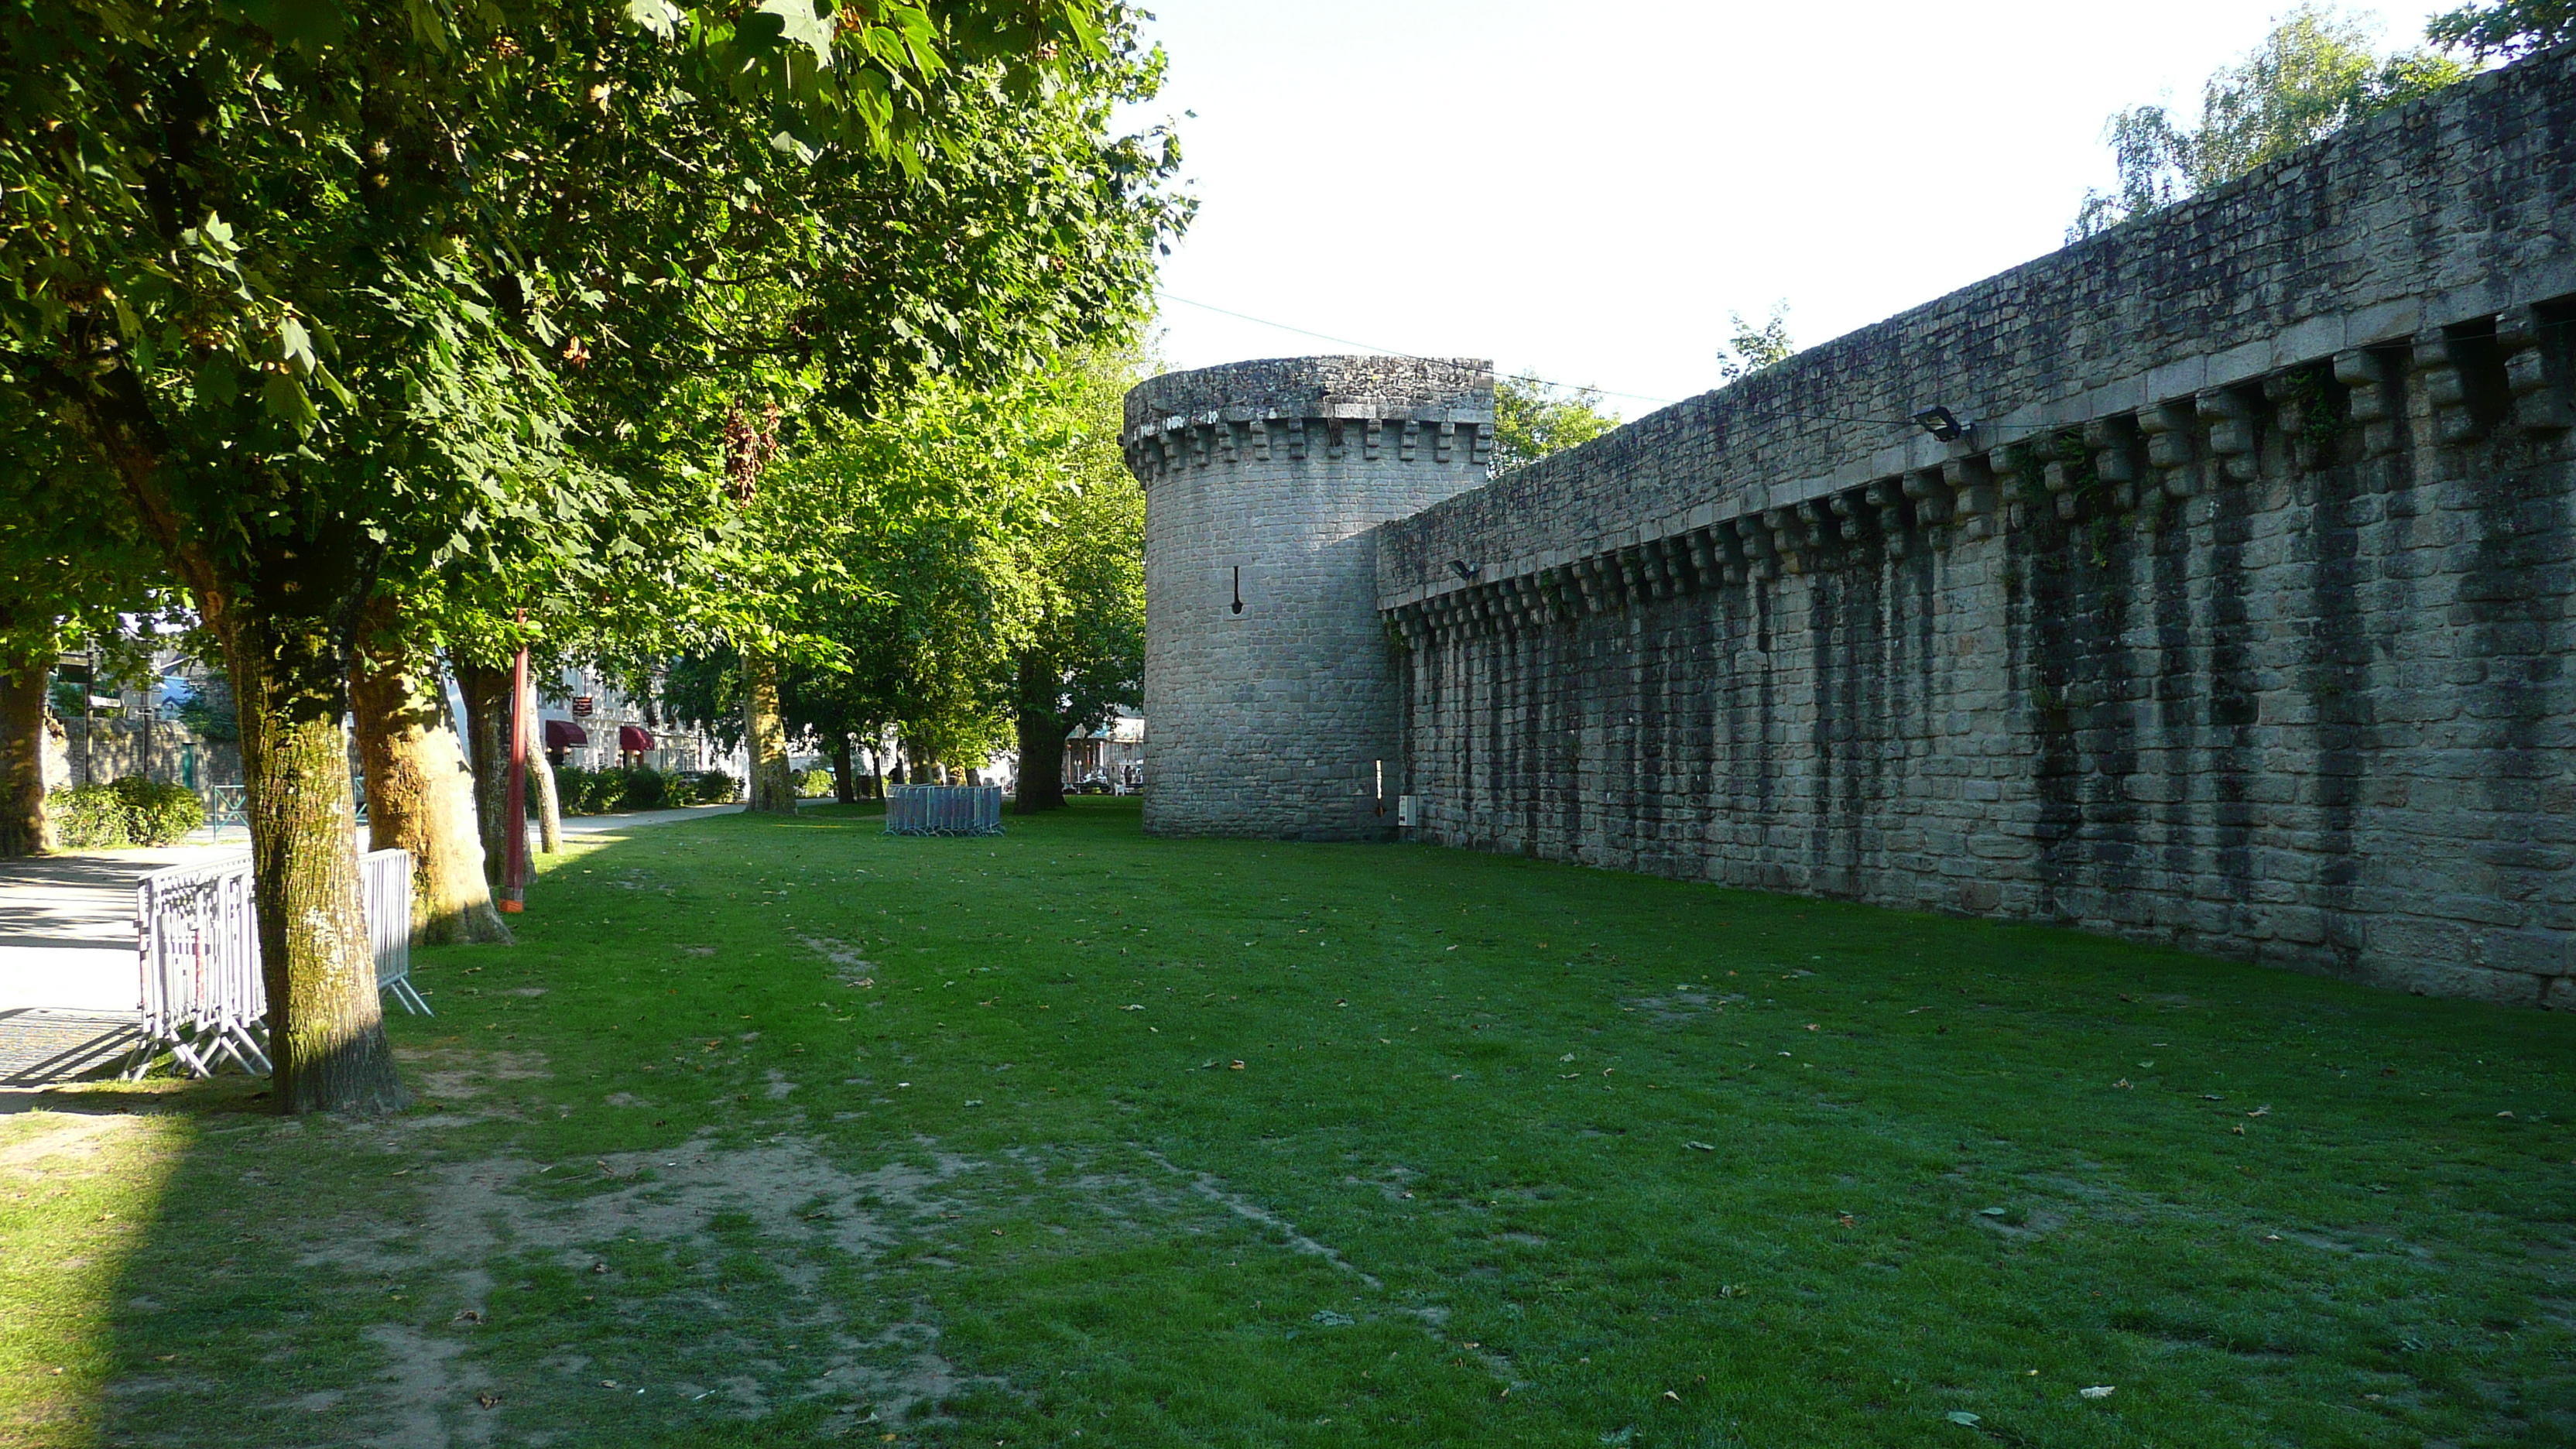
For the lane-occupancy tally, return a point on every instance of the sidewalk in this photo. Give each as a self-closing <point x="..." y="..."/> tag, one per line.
<point x="67" y="925"/>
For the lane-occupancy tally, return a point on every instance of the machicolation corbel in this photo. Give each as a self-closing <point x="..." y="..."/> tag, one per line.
<point x="2539" y="403"/>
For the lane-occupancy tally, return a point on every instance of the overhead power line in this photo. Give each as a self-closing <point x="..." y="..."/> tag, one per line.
<point x="1400" y="352"/>
<point x="1546" y="382"/>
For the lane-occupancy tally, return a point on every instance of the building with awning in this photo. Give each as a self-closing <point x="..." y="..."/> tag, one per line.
<point x="584" y="719"/>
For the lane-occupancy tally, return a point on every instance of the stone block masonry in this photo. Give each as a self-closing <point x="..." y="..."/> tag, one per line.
<point x="1269" y="680"/>
<point x="2241" y="618"/>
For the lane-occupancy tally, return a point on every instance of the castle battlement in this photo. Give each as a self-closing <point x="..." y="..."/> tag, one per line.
<point x="1267" y="675"/>
<point x="1410" y="407"/>
<point x="2241" y="617"/>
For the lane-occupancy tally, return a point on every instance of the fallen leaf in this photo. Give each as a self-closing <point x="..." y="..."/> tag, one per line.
<point x="2098" y="1391"/>
<point x="1676" y="1398"/>
<point x="2123" y="1082"/>
<point x="487" y="1400"/>
<point x="1994" y="1212"/>
<point x="1699" y="1147"/>
<point x="1238" y="1066"/>
<point x="1961" y="1416"/>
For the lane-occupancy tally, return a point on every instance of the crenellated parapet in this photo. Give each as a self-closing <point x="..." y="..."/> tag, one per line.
<point x="1365" y="409"/>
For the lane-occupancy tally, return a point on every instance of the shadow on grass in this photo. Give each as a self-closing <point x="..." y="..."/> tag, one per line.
<point x="783" y="1131"/>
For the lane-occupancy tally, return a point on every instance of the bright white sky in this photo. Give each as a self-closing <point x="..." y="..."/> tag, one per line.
<point x="1584" y="191"/>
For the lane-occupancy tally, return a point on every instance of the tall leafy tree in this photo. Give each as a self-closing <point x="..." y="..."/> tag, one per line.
<point x="1749" y="349"/>
<point x="268" y="267"/>
<point x="1533" y="419"/>
<point x="2504" y="28"/>
<point x="2313" y="75"/>
<point x="1085" y="652"/>
<point x="73" y="562"/>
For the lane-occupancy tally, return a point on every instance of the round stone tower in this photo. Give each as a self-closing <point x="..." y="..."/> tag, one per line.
<point x="1270" y="694"/>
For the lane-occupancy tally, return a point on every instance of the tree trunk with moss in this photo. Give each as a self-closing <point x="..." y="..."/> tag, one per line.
<point x="420" y="794"/>
<point x="487" y="740"/>
<point x="764" y="736"/>
<point x="285" y="607"/>
<point x="24" y="830"/>
<point x="325" y="1021"/>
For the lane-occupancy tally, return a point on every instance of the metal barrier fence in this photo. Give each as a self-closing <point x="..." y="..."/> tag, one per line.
<point x="943" y="809"/>
<point x="197" y="944"/>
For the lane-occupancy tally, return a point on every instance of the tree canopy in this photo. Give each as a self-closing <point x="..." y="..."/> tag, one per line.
<point x="2313" y="75"/>
<point x="1749" y="349"/>
<point x="438" y="303"/>
<point x="1533" y="419"/>
<point x="2504" y="28"/>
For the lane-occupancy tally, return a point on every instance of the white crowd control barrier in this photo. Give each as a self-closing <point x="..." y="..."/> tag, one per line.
<point x="197" y="941"/>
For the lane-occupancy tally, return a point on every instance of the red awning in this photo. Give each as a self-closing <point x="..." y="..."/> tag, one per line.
<point x="634" y="739"/>
<point x="563" y="734"/>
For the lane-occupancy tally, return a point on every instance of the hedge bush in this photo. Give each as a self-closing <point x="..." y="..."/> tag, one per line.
<point x="710" y="787"/>
<point x="814" y="784"/>
<point x="132" y="811"/>
<point x="88" y="817"/>
<point x="159" y="812"/>
<point x="598" y="792"/>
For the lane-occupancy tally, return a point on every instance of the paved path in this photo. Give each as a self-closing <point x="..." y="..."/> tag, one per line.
<point x="67" y="925"/>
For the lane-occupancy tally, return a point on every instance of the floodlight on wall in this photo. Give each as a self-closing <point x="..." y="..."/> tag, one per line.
<point x="1464" y="570"/>
<point x="1941" y="423"/>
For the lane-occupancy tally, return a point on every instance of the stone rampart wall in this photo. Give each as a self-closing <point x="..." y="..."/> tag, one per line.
<point x="2241" y="619"/>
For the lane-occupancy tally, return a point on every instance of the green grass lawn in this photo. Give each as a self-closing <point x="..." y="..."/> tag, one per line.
<point x="776" y="1131"/>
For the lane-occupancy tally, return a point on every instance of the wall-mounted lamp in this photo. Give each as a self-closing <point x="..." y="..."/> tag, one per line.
<point x="1941" y="423"/>
<point x="1238" y="588"/>
<point x="1465" y="570"/>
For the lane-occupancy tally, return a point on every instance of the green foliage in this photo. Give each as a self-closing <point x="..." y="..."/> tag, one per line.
<point x="73" y="560"/>
<point x="2506" y="28"/>
<point x="89" y="817"/>
<point x="1749" y="349"/>
<point x="581" y="791"/>
<point x="1533" y="419"/>
<point x="2313" y="75"/>
<point x="1086" y="649"/>
<point x="814" y="784"/>
<point x="441" y="304"/>
<point x="131" y="811"/>
<point x="705" y="787"/>
<point x="158" y="812"/>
